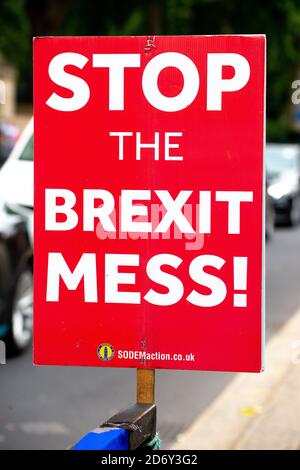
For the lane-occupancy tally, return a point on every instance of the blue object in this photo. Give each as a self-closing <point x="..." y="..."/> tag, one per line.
<point x="104" y="439"/>
<point x="297" y="115"/>
<point x="4" y="329"/>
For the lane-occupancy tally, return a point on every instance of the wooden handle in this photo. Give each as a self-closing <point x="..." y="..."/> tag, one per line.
<point x="145" y="386"/>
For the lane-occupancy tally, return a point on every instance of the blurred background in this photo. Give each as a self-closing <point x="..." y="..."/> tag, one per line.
<point x="52" y="407"/>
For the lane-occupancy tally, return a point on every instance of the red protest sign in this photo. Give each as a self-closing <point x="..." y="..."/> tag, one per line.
<point x="148" y="201"/>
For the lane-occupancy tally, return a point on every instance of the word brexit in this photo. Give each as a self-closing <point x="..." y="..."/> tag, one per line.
<point x="134" y="213"/>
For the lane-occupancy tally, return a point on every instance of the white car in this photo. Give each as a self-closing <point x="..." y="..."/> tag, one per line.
<point x="16" y="175"/>
<point x="16" y="244"/>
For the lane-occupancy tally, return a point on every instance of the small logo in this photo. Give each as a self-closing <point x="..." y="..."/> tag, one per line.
<point x="105" y="352"/>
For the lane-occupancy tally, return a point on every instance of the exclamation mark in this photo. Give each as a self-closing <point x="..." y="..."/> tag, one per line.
<point x="240" y="265"/>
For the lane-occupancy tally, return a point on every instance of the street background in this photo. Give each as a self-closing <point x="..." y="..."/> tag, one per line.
<point x="52" y="407"/>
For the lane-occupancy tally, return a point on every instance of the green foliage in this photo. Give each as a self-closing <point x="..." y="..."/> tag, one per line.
<point x="130" y="27"/>
<point x="14" y="32"/>
<point x="87" y="17"/>
<point x="277" y="131"/>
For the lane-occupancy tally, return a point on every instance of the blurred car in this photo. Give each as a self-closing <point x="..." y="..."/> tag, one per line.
<point x="283" y="173"/>
<point x="270" y="213"/>
<point x="8" y="137"/>
<point x="16" y="245"/>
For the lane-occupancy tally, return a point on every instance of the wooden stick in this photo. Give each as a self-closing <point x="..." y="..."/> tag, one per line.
<point x="145" y="386"/>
